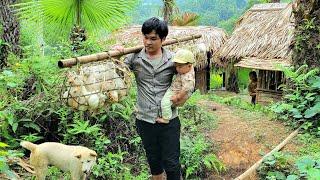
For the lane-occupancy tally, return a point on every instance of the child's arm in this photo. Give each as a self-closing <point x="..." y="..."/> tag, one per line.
<point x="181" y="95"/>
<point x="188" y="84"/>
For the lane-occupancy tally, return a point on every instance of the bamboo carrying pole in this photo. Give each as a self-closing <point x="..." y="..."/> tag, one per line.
<point x="257" y="164"/>
<point x="104" y="55"/>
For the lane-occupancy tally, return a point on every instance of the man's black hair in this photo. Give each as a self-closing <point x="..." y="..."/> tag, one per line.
<point x="160" y="27"/>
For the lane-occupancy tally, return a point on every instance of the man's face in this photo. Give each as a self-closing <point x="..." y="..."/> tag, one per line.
<point x="152" y="42"/>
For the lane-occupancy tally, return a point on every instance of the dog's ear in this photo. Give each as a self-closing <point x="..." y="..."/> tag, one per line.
<point x="93" y="154"/>
<point x="78" y="156"/>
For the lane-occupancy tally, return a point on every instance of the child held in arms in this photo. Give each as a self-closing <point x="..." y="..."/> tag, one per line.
<point x="182" y="86"/>
<point x="252" y="87"/>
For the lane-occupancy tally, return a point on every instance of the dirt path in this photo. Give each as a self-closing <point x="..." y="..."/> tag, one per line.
<point x="242" y="137"/>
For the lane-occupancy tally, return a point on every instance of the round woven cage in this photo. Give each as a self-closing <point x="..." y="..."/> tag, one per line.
<point x="96" y="85"/>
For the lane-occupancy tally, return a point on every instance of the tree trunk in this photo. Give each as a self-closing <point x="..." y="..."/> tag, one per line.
<point x="307" y="33"/>
<point x="167" y="9"/>
<point x="77" y="37"/>
<point x="233" y="85"/>
<point x="11" y="32"/>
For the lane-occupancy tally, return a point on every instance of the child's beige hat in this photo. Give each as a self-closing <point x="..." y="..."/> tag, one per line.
<point x="183" y="56"/>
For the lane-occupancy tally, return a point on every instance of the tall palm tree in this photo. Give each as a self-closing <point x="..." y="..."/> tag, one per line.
<point x="77" y="15"/>
<point x="168" y="9"/>
<point x="11" y="32"/>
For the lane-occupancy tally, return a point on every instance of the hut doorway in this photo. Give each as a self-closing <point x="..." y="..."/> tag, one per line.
<point x="269" y="85"/>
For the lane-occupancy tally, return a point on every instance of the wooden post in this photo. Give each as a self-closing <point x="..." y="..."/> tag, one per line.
<point x="209" y="55"/>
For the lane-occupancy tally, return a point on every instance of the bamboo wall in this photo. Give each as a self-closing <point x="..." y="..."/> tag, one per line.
<point x="268" y="85"/>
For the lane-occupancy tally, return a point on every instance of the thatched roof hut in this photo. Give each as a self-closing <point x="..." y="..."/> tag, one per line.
<point x="211" y="40"/>
<point x="262" y="38"/>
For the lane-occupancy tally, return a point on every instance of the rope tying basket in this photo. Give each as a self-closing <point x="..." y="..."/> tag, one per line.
<point x="95" y="85"/>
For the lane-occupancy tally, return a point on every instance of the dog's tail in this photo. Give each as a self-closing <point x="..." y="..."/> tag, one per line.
<point x="28" y="145"/>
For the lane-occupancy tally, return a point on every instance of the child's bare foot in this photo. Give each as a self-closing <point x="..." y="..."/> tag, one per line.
<point x="161" y="120"/>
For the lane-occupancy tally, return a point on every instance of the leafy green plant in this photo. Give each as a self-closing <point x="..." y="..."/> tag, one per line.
<point x="308" y="168"/>
<point x="112" y="164"/>
<point x="215" y="80"/>
<point x="82" y="132"/>
<point x="195" y="157"/>
<point x="4" y="156"/>
<point x="282" y="166"/>
<point x="276" y="166"/>
<point x="239" y="103"/>
<point x="301" y="101"/>
<point x="32" y="137"/>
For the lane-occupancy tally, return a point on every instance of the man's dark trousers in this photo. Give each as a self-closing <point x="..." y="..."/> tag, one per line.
<point x="162" y="145"/>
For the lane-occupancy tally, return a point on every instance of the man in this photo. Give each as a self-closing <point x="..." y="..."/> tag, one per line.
<point x="153" y="70"/>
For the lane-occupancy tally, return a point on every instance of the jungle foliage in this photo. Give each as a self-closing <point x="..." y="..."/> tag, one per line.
<point x="302" y="99"/>
<point x="221" y="13"/>
<point x="307" y="35"/>
<point x="31" y="109"/>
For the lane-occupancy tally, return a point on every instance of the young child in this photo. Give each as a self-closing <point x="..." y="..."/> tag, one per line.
<point x="252" y="87"/>
<point x="182" y="86"/>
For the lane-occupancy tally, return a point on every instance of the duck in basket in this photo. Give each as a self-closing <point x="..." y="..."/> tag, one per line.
<point x="95" y="86"/>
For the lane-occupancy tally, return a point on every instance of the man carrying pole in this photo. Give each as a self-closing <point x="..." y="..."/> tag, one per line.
<point x="153" y="70"/>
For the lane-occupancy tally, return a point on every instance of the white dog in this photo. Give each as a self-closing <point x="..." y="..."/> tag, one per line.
<point x="76" y="159"/>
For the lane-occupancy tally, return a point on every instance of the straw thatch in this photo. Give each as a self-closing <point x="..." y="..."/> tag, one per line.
<point x="263" y="64"/>
<point x="264" y="33"/>
<point x="211" y="40"/>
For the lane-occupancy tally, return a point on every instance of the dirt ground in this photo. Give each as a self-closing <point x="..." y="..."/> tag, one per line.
<point x="243" y="137"/>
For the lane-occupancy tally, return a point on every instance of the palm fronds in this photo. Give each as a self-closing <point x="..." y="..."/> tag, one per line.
<point x="62" y="15"/>
<point x="186" y="19"/>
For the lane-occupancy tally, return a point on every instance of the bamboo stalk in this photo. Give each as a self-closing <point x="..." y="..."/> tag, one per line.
<point x="104" y="55"/>
<point x="277" y="148"/>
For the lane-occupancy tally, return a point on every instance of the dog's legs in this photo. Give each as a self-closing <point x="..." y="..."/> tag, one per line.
<point x="41" y="172"/>
<point x="40" y="164"/>
<point x="76" y="175"/>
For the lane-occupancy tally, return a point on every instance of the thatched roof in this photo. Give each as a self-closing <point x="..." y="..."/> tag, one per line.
<point x="263" y="64"/>
<point x="211" y="40"/>
<point x="264" y="33"/>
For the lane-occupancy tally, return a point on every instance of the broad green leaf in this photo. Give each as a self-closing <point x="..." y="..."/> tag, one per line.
<point x="304" y="164"/>
<point x="8" y="73"/>
<point x="312" y="111"/>
<point x="14" y="127"/>
<point x="11" y="84"/>
<point x="313" y="174"/>
<point x="2" y="145"/>
<point x="33" y="126"/>
<point x="277" y="174"/>
<point x="292" y="177"/>
<point x="296" y="113"/>
<point x="315" y="82"/>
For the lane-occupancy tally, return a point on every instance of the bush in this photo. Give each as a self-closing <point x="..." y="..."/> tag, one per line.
<point x="302" y="99"/>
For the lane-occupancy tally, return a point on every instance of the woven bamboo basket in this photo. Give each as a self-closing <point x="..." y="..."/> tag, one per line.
<point x="95" y="85"/>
